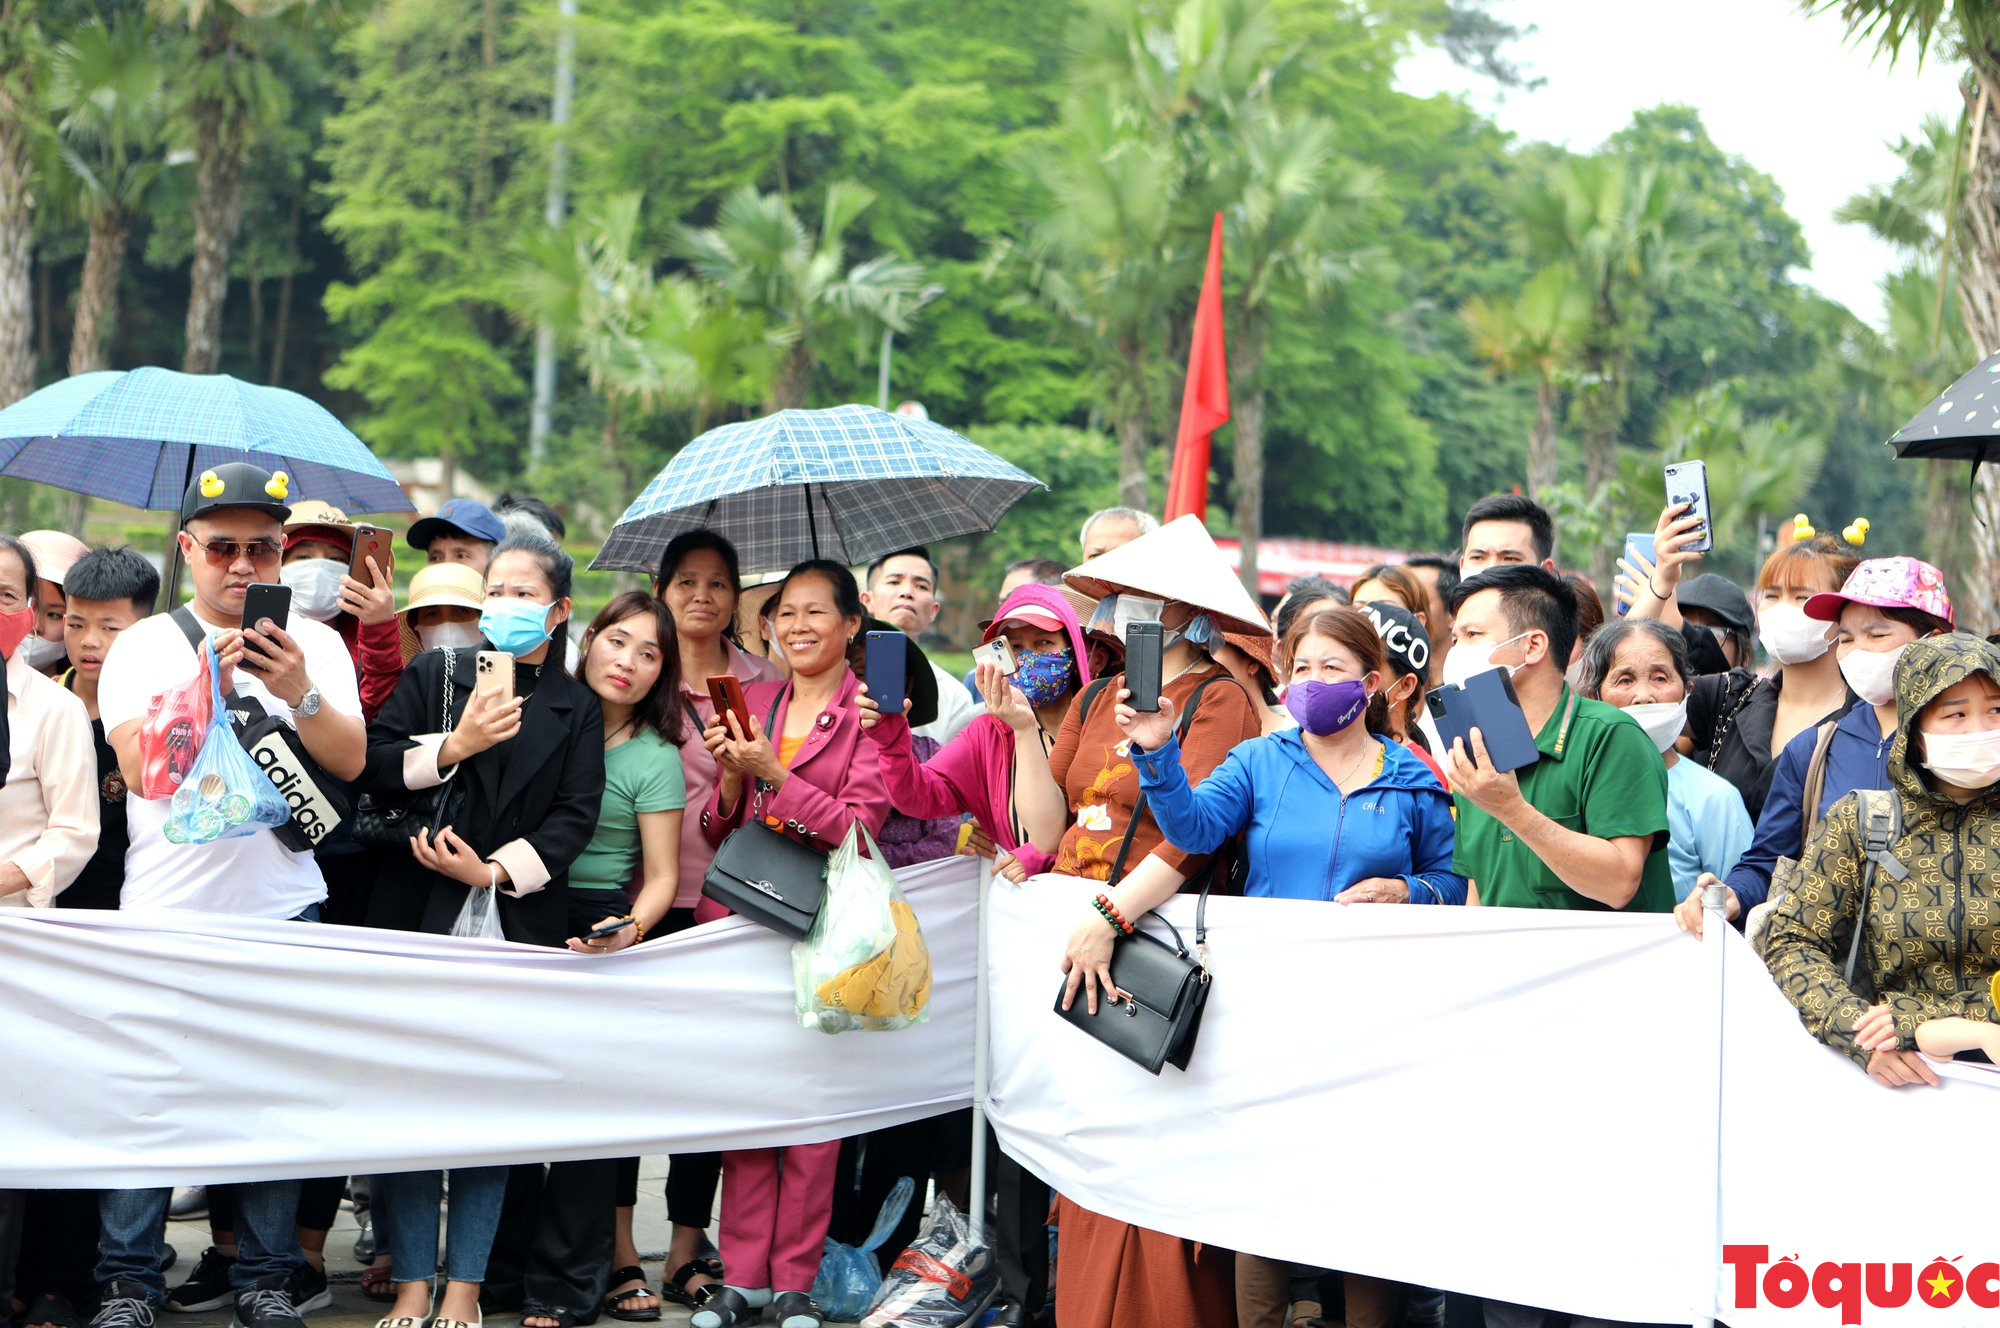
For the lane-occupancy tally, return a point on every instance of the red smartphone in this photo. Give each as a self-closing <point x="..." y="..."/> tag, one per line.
<point x="372" y="542"/>
<point x="726" y="693"/>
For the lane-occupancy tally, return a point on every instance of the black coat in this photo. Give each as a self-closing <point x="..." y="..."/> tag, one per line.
<point x="544" y="785"/>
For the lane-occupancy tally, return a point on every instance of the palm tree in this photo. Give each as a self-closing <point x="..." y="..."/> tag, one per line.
<point x="1539" y="330"/>
<point x="106" y="79"/>
<point x="1967" y="30"/>
<point x="1623" y="232"/>
<point x="1758" y="469"/>
<point x="761" y="258"/>
<point x="1296" y="209"/>
<point x="22" y="54"/>
<point x="1104" y="253"/>
<point x="227" y="90"/>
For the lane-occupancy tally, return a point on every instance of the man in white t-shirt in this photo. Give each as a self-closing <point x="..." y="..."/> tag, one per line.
<point x="232" y="536"/>
<point x="902" y="590"/>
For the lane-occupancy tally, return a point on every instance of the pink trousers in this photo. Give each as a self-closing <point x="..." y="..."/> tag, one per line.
<point x="776" y="1204"/>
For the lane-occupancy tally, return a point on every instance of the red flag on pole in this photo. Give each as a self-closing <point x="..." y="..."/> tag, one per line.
<point x="1205" y="401"/>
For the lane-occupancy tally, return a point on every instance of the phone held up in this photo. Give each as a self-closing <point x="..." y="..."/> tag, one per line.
<point x="372" y="542"/>
<point x="725" y="693"/>
<point x="887" y="670"/>
<point x="1687" y="485"/>
<point x="997" y="653"/>
<point x="263" y="600"/>
<point x="1485" y="701"/>
<point x="1638" y="545"/>
<point x="493" y="675"/>
<point x="1142" y="665"/>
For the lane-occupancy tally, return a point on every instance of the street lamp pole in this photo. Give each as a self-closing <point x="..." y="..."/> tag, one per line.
<point x="924" y="297"/>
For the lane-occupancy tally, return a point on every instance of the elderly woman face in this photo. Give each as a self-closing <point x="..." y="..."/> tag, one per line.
<point x="1641" y="673"/>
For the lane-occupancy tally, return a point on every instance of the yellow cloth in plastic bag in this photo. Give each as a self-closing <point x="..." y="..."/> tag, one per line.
<point x="895" y="981"/>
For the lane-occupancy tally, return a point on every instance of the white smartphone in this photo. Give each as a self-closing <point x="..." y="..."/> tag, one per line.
<point x="1687" y="482"/>
<point x="997" y="653"/>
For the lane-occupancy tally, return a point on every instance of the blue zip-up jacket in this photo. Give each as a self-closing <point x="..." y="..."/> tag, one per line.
<point x="1857" y="758"/>
<point x="1306" y="841"/>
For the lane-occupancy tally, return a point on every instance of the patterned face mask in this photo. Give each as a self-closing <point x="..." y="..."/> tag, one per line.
<point x="1043" y="676"/>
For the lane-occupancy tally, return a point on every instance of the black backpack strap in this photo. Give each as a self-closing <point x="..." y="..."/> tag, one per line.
<point x="1088" y="695"/>
<point x="1139" y="809"/>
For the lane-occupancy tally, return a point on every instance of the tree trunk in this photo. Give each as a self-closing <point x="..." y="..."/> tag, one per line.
<point x="97" y="296"/>
<point x="255" y="286"/>
<point x="1977" y="597"/>
<point x="218" y="214"/>
<point x="794" y="380"/>
<point x="1246" y="424"/>
<point x="1542" y="441"/>
<point x="1132" y="416"/>
<point x="284" y="325"/>
<point x="17" y="319"/>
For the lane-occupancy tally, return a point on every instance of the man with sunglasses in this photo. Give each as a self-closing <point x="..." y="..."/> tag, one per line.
<point x="232" y="536"/>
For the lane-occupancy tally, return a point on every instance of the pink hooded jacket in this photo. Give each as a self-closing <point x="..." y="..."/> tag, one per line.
<point x="974" y="772"/>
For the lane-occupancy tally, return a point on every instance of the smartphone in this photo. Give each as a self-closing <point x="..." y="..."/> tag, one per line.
<point x="887" y="670"/>
<point x="725" y="693"/>
<point x="493" y="674"/>
<point x="263" y="600"/>
<point x="1142" y="665"/>
<point x="997" y="653"/>
<point x="372" y="542"/>
<point x="1639" y="542"/>
<point x="1687" y="482"/>
<point x="1486" y="701"/>
<point x="596" y="933"/>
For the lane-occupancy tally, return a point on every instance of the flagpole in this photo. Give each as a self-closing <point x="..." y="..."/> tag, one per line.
<point x="1714" y="940"/>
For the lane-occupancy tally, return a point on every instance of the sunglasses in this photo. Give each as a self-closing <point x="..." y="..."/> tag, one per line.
<point x="221" y="553"/>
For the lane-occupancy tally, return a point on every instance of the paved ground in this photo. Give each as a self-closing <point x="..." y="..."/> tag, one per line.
<point x="350" y="1309"/>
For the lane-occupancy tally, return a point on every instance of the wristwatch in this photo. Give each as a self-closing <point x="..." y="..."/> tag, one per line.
<point x="308" y="705"/>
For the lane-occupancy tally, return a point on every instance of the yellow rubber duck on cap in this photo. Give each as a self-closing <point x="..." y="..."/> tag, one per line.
<point x="211" y="484"/>
<point x="1802" y="527"/>
<point x="278" y="485"/>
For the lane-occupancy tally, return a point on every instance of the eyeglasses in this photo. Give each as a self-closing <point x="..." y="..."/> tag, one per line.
<point x="221" y="553"/>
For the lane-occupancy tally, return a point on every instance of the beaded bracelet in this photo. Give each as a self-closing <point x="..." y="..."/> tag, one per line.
<point x="1110" y="913"/>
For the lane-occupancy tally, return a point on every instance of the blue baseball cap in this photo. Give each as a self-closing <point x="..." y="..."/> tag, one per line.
<point x="460" y="516"/>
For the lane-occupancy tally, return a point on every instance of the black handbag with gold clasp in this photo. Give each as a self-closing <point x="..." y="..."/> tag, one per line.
<point x="764" y="874"/>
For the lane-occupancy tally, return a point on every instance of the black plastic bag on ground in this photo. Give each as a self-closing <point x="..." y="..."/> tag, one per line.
<point x="941" y="1281"/>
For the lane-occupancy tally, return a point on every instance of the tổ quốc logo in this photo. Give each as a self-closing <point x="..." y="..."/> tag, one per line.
<point x="1757" y="1281"/>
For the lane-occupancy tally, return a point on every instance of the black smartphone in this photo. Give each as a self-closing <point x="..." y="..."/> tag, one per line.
<point x="1687" y="483"/>
<point x="262" y="600"/>
<point x="1142" y="665"/>
<point x="598" y="933"/>
<point x="886" y="665"/>
<point x="1486" y="701"/>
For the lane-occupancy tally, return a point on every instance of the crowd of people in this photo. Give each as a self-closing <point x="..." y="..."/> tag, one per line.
<point x="1292" y="755"/>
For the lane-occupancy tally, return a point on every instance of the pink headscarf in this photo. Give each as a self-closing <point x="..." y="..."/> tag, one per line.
<point x="1050" y="601"/>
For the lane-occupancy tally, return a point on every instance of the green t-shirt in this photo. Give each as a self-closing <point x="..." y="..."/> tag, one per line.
<point x="641" y="774"/>
<point x="1602" y="777"/>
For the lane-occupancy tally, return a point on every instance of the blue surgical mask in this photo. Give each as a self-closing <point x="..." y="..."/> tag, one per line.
<point x="517" y="626"/>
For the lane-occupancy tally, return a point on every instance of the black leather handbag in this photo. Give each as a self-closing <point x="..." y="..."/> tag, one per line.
<point x="1168" y="985"/>
<point x="392" y="822"/>
<point x="765" y="875"/>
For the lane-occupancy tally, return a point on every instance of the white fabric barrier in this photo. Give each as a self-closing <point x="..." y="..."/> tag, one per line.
<point x="1494" y="1101"/>
<point x="170" y="1048"/>
<point x="1509" y="1104"/>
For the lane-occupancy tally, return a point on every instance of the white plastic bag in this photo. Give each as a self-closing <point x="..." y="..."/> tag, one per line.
<point x="941" y="1281"/>
<point x="480" y="917"/>
<point x="864" y="964"/>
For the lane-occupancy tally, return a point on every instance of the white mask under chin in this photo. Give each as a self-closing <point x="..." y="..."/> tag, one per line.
<point x="315" y="584"/>
<point x="40" y="654"/>
<point x="1662" y="720"/>
<point x="449" y="636"/>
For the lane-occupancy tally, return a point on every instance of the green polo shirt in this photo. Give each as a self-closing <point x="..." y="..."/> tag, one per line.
<point x="1599" y="774"/>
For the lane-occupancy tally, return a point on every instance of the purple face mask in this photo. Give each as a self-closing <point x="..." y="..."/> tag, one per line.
<point x="1325" y="708"/>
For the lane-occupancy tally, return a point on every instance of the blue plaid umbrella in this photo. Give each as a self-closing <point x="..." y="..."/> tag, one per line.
<point x="139" y="437"/>
<point x="850" y="484"/>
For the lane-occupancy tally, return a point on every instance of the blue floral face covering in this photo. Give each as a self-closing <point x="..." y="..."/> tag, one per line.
<point x="1043" y="676"/>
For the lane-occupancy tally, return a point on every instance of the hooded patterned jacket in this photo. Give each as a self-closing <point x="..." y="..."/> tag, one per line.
<point x="1932" y="940"/>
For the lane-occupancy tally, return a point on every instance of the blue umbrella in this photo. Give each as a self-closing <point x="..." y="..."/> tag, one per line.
<point x="140" y="436"/>
<point x="850" y="484"/>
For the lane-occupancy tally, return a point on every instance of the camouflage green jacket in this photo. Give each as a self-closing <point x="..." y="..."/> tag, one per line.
<point x="1930" y="942"/>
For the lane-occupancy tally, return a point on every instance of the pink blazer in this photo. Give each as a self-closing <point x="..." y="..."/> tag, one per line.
<point x="835" y="781"/>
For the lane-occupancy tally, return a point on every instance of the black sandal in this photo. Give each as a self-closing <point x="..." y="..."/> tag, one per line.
<point x="563" y="1316"/>
<point x="50" y="1308"/>
<point x="675" y="1287"/>
<point x="614" y="1303"/>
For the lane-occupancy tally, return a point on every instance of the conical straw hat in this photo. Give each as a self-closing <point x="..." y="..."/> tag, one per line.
<point x="1177" y="562"/>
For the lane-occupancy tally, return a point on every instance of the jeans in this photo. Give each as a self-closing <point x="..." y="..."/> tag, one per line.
<point x="133" y="1226"/>
<point x="410" y="1200"/>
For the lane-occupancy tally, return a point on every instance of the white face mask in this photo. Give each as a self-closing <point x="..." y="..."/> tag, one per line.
<point x="1468" y="658"/>
<point x="1129" y="608"/>
<point x="40" y="654"/>
<point x="450" y="636"/>
<point x="1790" y="636"/>
<point x="1573" y="675"/>
<point x="1967" y="760"/>
<point x="1871" y="674"/>
<point x="1662" y="720"/>
<point x="315" y="584"/>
